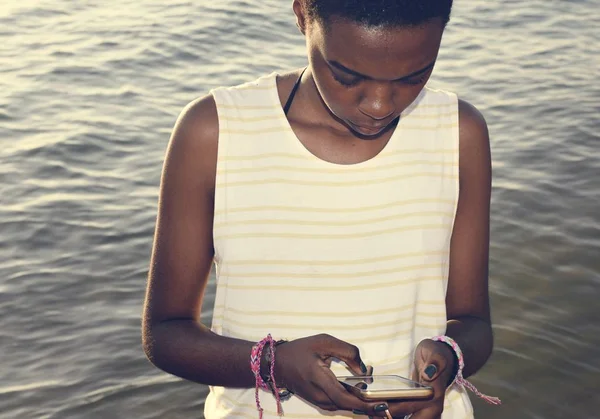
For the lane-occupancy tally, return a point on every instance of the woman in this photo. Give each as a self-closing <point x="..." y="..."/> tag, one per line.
<point x="346" y="207"/>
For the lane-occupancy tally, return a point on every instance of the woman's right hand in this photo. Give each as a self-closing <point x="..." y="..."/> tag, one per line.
<point x="303" y="367"/>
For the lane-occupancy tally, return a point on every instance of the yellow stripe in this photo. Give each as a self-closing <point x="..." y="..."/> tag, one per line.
<point x="274" y="117"/>
<point x="434" y="303"/>
<point x="224" y="321"/>
<point x="429" y="303"/>
<point x="277" y="262"/>
<point x="450" y="105"/>
<point x="252" y="87"/>
<point x="384" y="153"/>
<point x="254" y="415"/>
<point x="338" y="210"/>
<point x="348" y="183"/>
<point x="280" y="116"/>
<point x="394" y="360"/>
<point x="406" y="323"/>
<point x="370" y="286"/>
<point x="263" y="156"/>
<point x="297" y="169"/>
<point x="435" y="315"/>
<point x="399" y="371"/>
<point x="284" y="129"/>
<point x="354" y="313"/>
<point x="355" y="341"/>
<point x="449" y="114"/>
<point x="329" y="275"/>
<point x="250" y="107"/>
<point x="333" y="223"/>
<point x="451" y="398"/>
<point x="265" y="235"/>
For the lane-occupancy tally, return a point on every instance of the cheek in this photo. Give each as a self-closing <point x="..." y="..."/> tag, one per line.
<point x="337" y="98"/>
<point x="405" y="97"/>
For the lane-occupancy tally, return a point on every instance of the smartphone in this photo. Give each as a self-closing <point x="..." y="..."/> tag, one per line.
<point x="385" y="387"/>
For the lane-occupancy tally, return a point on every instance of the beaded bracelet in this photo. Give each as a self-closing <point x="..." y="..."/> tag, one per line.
<point x="459" y="379"/>
<point x="255" y="359"/>
<point x="284" y="393"/>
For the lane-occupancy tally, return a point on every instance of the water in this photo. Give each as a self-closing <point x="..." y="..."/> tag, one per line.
<point x="90" y="92"/>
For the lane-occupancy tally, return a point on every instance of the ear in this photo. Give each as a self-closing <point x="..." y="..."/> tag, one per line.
<point x="301" y="16"/>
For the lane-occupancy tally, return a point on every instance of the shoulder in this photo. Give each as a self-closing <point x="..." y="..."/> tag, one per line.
<point x="474" y="142"/>
<point x="473" y="130"/>
<point x="285" y="84"/>
<point x="197" y="124"/>
<point x="192" y="150"/>
<point x="472" y="124"/>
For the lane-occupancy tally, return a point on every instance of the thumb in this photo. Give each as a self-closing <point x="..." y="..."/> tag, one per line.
<point x="429" y="364"/>
<point x="348" y="353"/>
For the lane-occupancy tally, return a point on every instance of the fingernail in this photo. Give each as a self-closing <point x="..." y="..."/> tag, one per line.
<point x="363" y="367"/>
<point x="359" y="412"/>
<point x="381" y="408"/>
<point x="430" y="370"/>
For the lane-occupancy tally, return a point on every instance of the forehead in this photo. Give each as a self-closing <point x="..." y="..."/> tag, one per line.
<point x="380" y="52"/>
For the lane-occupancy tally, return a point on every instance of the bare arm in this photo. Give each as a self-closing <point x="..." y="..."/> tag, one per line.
<point x="173" y="337"/>
<point x="467" y="298"/>
<point x="467" y="301"/>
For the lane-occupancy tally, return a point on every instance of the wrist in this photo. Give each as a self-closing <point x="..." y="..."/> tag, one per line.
<point x="265" y="367"/>
<point x="270" y="360"/>
<point x="459" y="379"/>
<point x="262" y="359"/>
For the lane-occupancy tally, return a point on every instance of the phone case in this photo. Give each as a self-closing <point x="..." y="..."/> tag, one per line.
<point x="419" y="392"/>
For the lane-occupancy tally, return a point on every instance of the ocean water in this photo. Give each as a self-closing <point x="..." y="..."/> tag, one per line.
<point x="89" y="92"/>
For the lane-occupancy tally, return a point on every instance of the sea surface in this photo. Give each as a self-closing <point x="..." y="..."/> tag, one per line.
<point x="89" y="93"/>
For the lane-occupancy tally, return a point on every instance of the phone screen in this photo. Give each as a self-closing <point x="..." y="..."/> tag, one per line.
<point x="381" y="383"/>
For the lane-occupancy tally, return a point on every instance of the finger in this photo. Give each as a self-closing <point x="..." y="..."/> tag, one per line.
<point x="345" y="400"/>
<point x="320" y="399"/>
<point x="430" y="361"/>
<point x="346" y="352"/>
<point x="370" y="370"/>
<point x="310" y="391"/>
<point x="341" y="397"/>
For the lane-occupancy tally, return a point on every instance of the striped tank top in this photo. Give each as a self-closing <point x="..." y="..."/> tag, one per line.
<point x="304" y="246"/>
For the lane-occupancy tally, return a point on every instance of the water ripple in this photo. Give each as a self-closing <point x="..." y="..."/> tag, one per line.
<point x="90" y="95"/>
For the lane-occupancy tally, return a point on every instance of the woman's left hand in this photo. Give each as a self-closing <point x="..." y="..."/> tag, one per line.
<point x="434" y="364"/>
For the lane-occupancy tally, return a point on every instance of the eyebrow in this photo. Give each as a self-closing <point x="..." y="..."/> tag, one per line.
<point x="357" y="74"/>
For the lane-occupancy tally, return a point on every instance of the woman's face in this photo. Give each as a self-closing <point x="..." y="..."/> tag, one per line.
<point x="368" y="76"/>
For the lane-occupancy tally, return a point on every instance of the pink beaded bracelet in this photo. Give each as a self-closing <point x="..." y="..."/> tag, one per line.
<point x="255" y="359"/>
<point x="459" y="379"/>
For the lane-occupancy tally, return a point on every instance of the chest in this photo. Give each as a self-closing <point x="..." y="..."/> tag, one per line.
<point x="309" y="215"/>
<point x="336" y="148"/>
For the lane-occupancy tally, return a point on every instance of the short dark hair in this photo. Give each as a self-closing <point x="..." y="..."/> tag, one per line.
<point x="387" y="13"/>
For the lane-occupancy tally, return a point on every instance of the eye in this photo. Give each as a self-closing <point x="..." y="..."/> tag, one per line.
<point x="346" y="83"/>
<point x="415" y="82"/>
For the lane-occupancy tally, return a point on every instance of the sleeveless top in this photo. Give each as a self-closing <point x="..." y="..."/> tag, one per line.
<point x="304" y="246"/>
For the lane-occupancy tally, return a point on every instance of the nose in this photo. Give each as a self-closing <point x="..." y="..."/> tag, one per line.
<point x="377" y="102"/>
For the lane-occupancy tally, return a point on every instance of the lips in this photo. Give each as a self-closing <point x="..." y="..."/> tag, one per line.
<point x="369" y="129"/>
